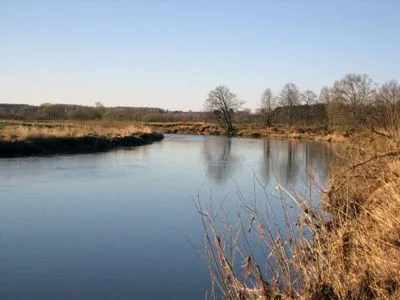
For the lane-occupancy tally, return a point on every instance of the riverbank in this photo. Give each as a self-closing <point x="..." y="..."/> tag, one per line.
<point x="29" y="139"/>
<point x="117" y="128"/>
<point x="355" y="248"/>
<point x="357" y="251"/>
<point x="24" y="138"/>
<point x="312" y="133"/>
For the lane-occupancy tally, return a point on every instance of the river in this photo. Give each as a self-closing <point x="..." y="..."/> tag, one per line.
<point x="122" y="224"/>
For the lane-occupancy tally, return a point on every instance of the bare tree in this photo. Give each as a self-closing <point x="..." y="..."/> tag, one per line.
<point x="355" y="91"/>
<point x="308" y="97"/>
<point x="267" y="106"/>
<point x="290" y="97"/>
<point x="325" y="96"/>
<point x="387" y="105"/>
<point x="98" y="104"/>
<point x="223" y="103"/>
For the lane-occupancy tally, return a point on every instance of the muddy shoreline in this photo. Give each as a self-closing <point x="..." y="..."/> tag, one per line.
<point x="39" y="146"/>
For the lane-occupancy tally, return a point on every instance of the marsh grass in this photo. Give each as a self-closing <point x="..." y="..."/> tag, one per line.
<point x="23" y="131"/>
<point x="311" y="132"/>
<point x="348" y="249"/>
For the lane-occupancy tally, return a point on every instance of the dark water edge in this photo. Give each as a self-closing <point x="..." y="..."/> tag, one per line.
<point x="73" y="145"/>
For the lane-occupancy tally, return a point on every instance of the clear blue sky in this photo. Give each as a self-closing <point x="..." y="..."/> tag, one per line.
<point x="169" y="54"/>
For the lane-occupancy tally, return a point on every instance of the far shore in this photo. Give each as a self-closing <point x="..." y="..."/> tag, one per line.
<point x="36" y="139"/>
<point x="26" y="138"/>
<point x="73" y="145"/>
<point x="312" y="133"/>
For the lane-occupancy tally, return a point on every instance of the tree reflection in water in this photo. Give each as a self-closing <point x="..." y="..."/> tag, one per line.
<point x="266" y="163"/>
<point x="218" y="158"/>
<point x="290" y="162"/>
<point x="292" y="167"/>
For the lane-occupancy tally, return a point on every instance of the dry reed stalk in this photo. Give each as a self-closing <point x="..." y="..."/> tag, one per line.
<point x="351" y="253"/>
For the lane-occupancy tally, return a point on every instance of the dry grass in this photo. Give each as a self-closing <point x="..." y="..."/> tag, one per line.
<point x="251" y="130"/>
<point x="351" y="253"/>
<point x="364" y="202"/>
<point x="18" y="131"/>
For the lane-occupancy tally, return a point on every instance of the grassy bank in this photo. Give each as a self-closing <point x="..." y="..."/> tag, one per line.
<point x="361" y="259"/>
<point x="354" y="252"/>
<point x="314" y="133"/>
<point x="27" y="138"/>
<point x="22" y="138"/>
<point x="20" y="129"/>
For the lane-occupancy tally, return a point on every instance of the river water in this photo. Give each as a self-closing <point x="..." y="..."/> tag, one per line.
<point x="122" y="224"/>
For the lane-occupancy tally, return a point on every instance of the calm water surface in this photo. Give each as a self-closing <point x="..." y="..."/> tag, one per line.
<point x="122" y="224"/>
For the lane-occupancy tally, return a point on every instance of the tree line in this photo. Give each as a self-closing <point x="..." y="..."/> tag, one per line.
<point x="48" y="111"/>
<point x="144" y="114"/>
<point x="352" y="101"/>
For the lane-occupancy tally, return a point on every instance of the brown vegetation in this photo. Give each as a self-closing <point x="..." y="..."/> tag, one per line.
<point x="354" y="249"/>
<point x="18" y="131"/>
<point x="316" y="133"/>
<point x="11" y="130"/>
<point x="24" y="139"/>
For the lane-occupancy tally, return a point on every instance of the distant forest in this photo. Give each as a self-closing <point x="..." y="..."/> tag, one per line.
<point x="351" y="101"/>
<point x="316" y="113"/>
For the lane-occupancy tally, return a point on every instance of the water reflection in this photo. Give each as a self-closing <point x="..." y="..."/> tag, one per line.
<point x="96" y="225"/>
<point x="280" y="162"/>
<point x="291" y="162"/>
<point x="266" y="162"/>
<point x="218" y="158"/>
<point x="317" y="162"/>
<point x="292" y="166"/>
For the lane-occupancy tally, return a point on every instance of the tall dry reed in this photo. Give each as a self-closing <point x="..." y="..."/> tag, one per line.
<point x="350" y="249"/>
